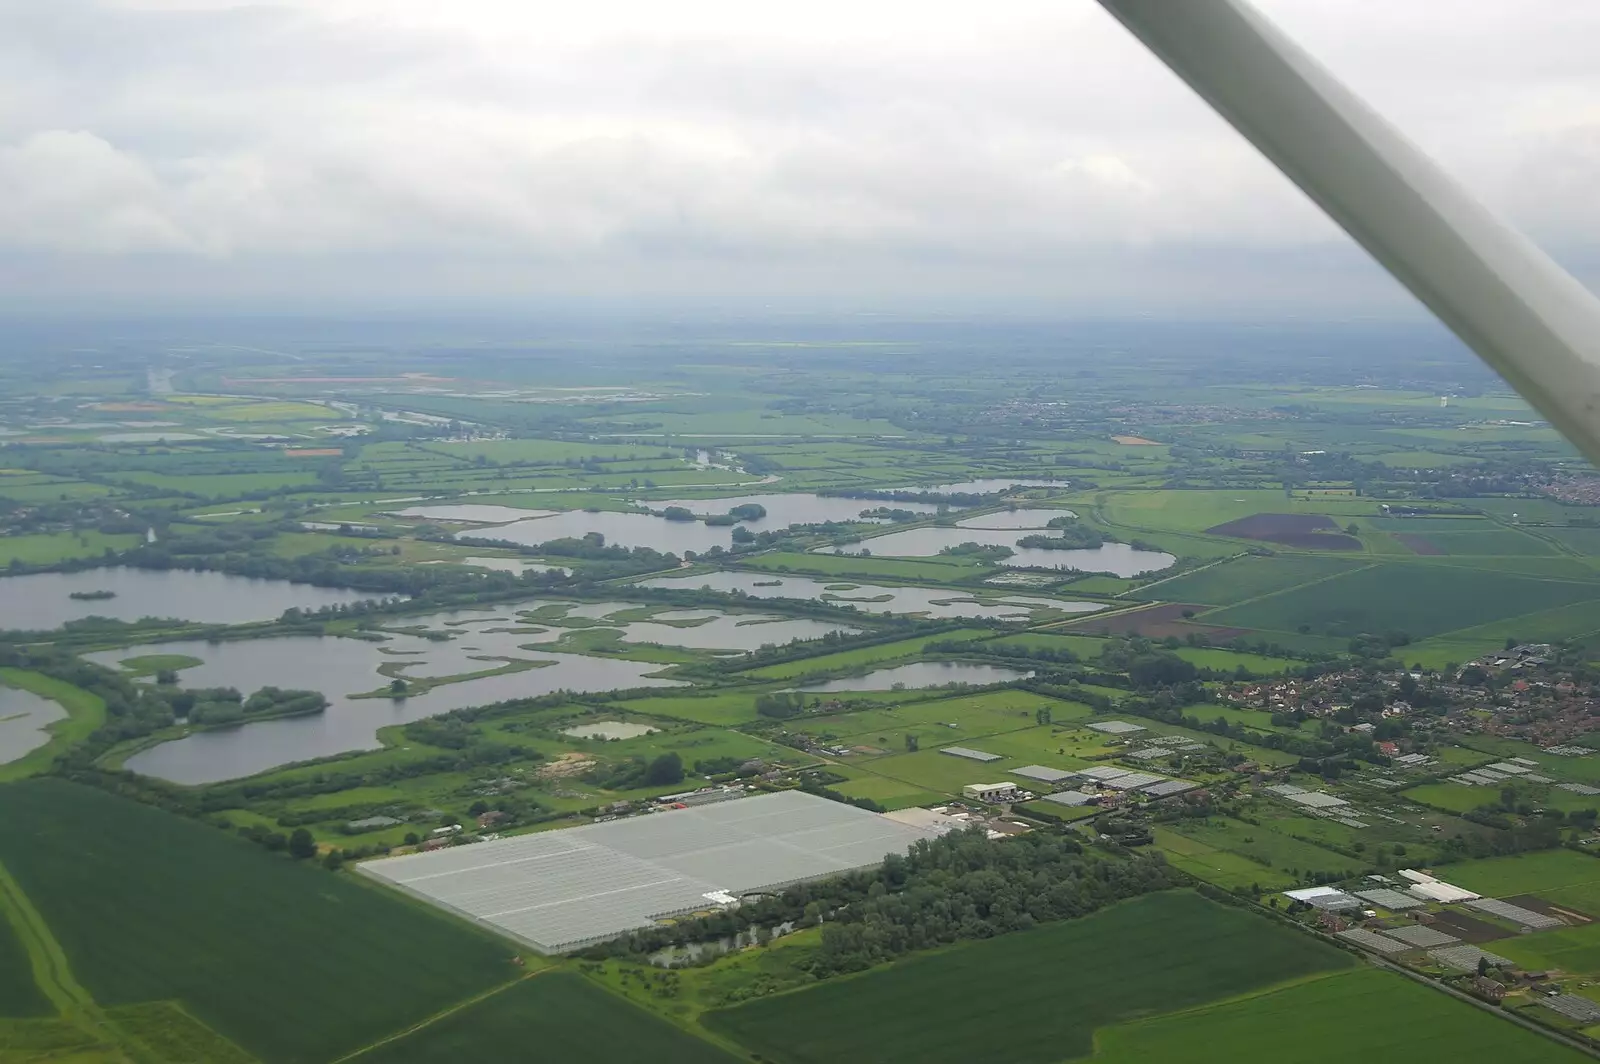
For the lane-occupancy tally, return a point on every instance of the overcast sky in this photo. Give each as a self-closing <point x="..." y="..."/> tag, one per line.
<point x="850" y="154"/>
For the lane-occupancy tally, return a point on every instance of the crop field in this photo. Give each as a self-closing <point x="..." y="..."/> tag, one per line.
<point x="1280" y="853"/>
<point x="1545" y="873"/>
<point x="1371" y="1016"/>
<point x="1306" y="531"/>
<point x="148" y="907"/>
<point x="19" y="994"/>
<point x="559" y="1016"/>
<point x="1500" y="542"/>
<point x="1160" y="952"/>
<point x="1419" y="600"/>
<point x="1573" y="949"/>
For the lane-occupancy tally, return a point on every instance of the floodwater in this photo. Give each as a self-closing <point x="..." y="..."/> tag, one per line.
<point x="1119" y="559"/>
<point x="41" y="601"/>
<point x="1035" y="518"/>
<point x="785" y="509"/>
<point x="479" y="640"/>
<point x="609" y="729"/>
<point x="480" y="513"/>
<point x="921" y="674"/>
<point x="23" y="719"/>
<point x="872" y="598"/>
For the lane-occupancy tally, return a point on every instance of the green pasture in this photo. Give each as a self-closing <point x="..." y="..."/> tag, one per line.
<point x="1161" y="952"/>
<point x="1249" y="577"/>
<point x="41" y="549"/>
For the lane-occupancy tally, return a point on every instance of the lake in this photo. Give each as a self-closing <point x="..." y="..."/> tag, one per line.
<point x="788" y="509"/>
<point x="609" y="729"/>
<point x="1119" y="559"/>
<point x="23" y="719"/>
<point x="920" y="674"/>
<point x="872" y="598"/>
<point x="479" y="640"/>
<point x="478" y="513"/>
<point x="620" y="529"/>
<point x="41" y="601"/>
<point x="510" y="565"/>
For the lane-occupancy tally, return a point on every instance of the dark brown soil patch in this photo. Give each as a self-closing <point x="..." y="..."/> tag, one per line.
<point x="1156" y="622"/>
<point x="1418" y="544"/>
<point x="1467" y="928"/>
<point x="1310" y="531"/>
<point x="1560" y="912"/>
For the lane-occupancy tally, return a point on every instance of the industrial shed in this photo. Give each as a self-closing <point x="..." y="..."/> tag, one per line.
<point x="563" y="890"/>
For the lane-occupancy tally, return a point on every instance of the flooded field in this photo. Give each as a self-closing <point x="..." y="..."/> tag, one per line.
<point x="873" y="598"/>
<point x="44" y="601"/>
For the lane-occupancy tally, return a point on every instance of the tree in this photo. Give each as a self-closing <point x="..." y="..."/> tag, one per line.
<point x="302" y="845"/>
<point x="398" y="688"/>
<point x="911" y="744"/>
<point x="1483" y="965"/>
<point x="666" y="769"/>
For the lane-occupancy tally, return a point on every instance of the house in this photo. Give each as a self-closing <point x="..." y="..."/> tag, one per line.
<point x="1389" y="749"/>
<point x="991" y="792"/>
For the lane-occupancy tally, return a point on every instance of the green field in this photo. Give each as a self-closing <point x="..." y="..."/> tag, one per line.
<point x="1574" y="949"/>
<point x="19" y="994"/>
<point x="558" y="1016"/>
<point x="1246" y="578"/>
<point x="1370" y="1016"/>
<point x="1545" y="873"/>
<point x="860" y="659"/>
<point x="1418" y="599"/>
<point x="1035" y="997"/>
<point x="148" y="906"/>
<point x="47" y="550"/>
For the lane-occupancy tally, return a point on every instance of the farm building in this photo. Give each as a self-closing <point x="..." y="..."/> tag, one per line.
<point x="563" y="890"/>
<point x="991" y="792"/>
<point x="969" y="754"/>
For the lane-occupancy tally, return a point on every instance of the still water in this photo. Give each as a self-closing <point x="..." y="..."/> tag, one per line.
<point x="482" y="513"/>
<point x="920" y="674"/>
<point x="871" y="598"/>
<point x="1120" y="559"/>
<point x="1036" y="519"/>
<point x="479" y="640"/>
<point x="990" y="485"/>
<point x="42" y="600"/>
<point x="796" y="508"/>
<point x="23" y="718"/>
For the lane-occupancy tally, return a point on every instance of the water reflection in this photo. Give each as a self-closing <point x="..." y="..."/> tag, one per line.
<point x="920" y="674"/>
<point x="1119" y="559"/>
<point x="42" y="600"/>
<point x="872" y="598"/>
<point x="23" y="719"/>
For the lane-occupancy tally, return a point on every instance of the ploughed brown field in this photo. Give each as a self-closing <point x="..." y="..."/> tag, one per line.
<point x="1418" y="544"/>
<point x="1156" y="622"/>
<point x="1292" y="530"/>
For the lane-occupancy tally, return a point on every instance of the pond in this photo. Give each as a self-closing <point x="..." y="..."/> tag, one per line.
<point x="42" y="601"/>
<point x="872" y="598"/>
<point x="478" y="513"/>
<point x="920" y="674"/>
<point x="477" y="641"/>
<point x="513" y="565"/>
<point x="785" y="509"/>
<point x="1119" y="559"/>
<point x="23" y="719"/>
<point x="609" y="729"/>
<point x="620" y="529"/>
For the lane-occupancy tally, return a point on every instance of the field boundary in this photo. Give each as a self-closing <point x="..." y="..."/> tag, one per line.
<point x="429" y="1021"/>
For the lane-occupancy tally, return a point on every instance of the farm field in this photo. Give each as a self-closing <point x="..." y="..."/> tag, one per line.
<point x="863" y="658"/>
<point x="1166" y="951"/>
<point x="1248" y="577"/>
<point x="1545" y="873"/>
<point x="1416" y="599"/>
<point x="1365" y="1015"/>
<point x="232" y="943"/>
<point x="559" y="1016"/>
